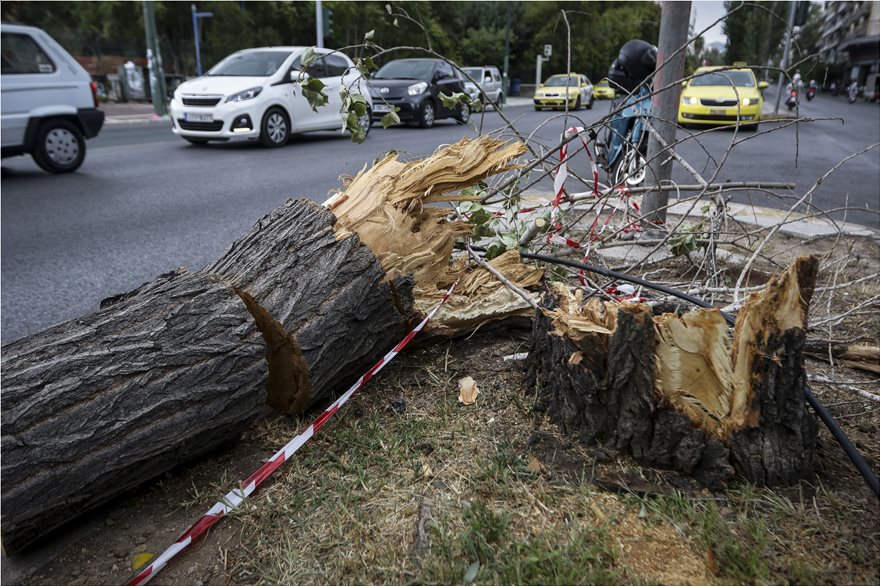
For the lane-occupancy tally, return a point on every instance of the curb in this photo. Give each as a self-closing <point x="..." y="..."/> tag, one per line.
<point x="798" y="224"/>
<point x="135" y="119"/>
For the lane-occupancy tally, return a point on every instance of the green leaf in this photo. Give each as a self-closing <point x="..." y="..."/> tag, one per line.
<point x="313" y="92"/>
<point x="390" y="119"/>
<point x="510" y="241"/>
<point x="395" y="22"/>
<point x="495" y="250"/>
<point x="369" y="35"/>
<point x="388" y="8"/>
<point x="471" y="573"/>
<point x="480" y="216"/>
<point x="308" y="57"/>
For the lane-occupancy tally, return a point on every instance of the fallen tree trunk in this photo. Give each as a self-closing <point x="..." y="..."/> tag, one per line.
<point x="294" y="311"/>
<point x="675" y="391"/>
<point x="97" y="405"/>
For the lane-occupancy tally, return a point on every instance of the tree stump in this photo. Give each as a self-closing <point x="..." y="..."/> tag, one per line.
<point x="675" y="391"/>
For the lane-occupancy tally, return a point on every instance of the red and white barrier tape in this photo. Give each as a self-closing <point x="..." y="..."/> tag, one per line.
<point x="237" y="495"/>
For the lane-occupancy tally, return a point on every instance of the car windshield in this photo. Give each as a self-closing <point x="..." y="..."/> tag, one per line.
<point x="406" y="70"/>
<point x="562" y="81"/>
<point x="739" y="78"/>
<point x="474" y="72"/>
<point x="603" y="83"/>
<point x="250" y="64"/>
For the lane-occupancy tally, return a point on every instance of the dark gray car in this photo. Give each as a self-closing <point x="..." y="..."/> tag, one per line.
<point x="413" y="87"/>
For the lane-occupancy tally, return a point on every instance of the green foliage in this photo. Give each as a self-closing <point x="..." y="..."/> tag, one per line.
<point x="468" y="33"/>
<point x="390" y="119"/>
<point x="754" y="31"/>
<point x="313" y="92"/>
<point x="686" y="239"/>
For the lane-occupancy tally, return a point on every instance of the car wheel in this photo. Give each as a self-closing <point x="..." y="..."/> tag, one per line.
<point x="499" y="101"/>
<point x="427" y="114"/>
<point x="577" y="104"/>
<point x="590" y="103"/>
<point x="464" y="114"/>
<point x="275" y="128"/>
<point x="60" y="147"/>
<point x="196" y="141"/>
<point x="537" y="108"/>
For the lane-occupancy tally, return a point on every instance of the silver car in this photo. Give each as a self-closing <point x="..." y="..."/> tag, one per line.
<point x="489" y="80"/>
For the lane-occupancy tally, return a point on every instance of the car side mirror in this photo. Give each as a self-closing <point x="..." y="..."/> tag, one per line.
<point x="684" y="84"/>
<point x="763" y="85"/>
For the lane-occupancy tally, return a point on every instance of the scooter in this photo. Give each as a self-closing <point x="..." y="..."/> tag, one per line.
<point x="811" y="93"/>
<point x="792" y="101"/>
<point x="853" y="93"/>
<point x="623" y="154"/>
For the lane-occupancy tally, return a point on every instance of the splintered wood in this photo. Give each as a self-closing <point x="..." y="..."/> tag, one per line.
<point x="715" y="405"/>
<point x="388" y="207"/>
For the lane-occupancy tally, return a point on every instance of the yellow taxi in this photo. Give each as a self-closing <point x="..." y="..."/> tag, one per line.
<point x="722" y="96"/>
<point x="573" y="88"/>
<point x="603" y="90"/>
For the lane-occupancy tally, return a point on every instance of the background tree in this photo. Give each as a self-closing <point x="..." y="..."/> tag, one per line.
<point x="470" y="33"/>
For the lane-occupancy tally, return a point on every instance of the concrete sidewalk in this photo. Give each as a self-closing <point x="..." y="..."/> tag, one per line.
<point x="130" y="113"/>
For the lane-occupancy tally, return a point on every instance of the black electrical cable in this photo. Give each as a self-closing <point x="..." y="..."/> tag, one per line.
<point x="854" y="455"/>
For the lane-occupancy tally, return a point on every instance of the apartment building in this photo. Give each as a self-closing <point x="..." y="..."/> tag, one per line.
<point x="851" y="36"/>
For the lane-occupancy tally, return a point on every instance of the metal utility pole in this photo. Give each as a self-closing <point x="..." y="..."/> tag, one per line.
<point x="196" y="16"/>
<point x="792" y="9"/>
<point x="505" y="76"/>
<point x="154" y="60"/>
<point x="674" y="20"/>
<point x="319" y="24"/>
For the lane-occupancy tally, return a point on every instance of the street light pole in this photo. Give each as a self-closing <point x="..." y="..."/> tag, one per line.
<point x="154" y="60"/>
<point x="196" y="16"/>
<point x="319" y="24"/>
<point x="506" y="76"/>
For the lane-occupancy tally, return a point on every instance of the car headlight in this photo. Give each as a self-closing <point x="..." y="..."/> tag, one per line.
<point x="690" y="100"/>
<point x="248" y="94"/>
<point x="749" y="101"/>
<point x="417" y="88"/>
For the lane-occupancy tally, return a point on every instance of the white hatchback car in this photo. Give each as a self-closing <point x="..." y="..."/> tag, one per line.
<point x="49" y="102"/>
<point x="255" y="94"/>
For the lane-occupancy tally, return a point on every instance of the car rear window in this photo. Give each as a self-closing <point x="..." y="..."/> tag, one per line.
<point x="404" y="69"/>
<point x="22" y="55"/>
<point x="250" y="64"/>
<point x="737" y="78"/>
<point x="562" y="81"/>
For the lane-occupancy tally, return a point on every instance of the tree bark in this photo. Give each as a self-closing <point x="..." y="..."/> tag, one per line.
<point x="97" y="405"/>
<point x="675" y="391"/>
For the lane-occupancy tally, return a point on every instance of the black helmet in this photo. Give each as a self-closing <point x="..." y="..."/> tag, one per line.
<point x="635" y="63"/>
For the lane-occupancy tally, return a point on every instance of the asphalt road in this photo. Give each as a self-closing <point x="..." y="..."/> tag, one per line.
<point x="146" y="202"/>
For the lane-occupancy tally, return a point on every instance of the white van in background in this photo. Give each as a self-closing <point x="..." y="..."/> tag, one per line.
<point x="49" y="102"/>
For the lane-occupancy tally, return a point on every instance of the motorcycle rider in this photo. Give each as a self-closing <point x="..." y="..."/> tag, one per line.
<point x="630" y="73"/>
<point x="853" y="90"/>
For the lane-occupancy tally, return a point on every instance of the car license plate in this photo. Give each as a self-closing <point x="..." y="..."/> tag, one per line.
<point x="718" y="112"/>
<point x="381" y="108"/>
<point x="198" y="117"/>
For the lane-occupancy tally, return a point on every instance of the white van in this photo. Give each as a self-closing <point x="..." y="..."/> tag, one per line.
<point x="49" y="102"/>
